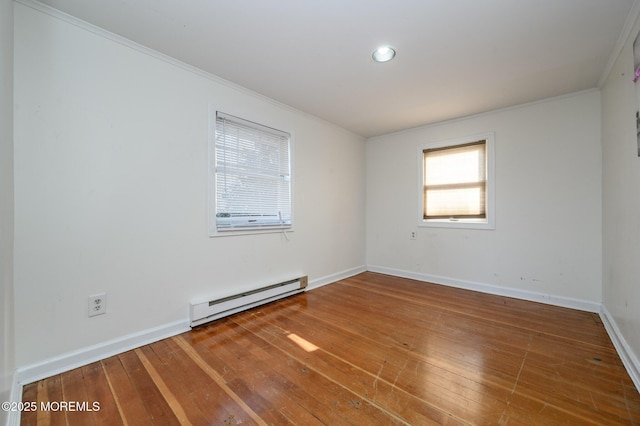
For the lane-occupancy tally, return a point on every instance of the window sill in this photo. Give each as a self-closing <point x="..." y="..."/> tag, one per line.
<point x="459" y="224"/>
<point x="249" y="231"/>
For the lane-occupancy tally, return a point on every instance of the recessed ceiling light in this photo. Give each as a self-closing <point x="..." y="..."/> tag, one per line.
<point x="383" y="54"/>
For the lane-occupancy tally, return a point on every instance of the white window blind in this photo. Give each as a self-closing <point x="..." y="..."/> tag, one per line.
<point x="455" y="181"/>
<point x="252" y="175"/>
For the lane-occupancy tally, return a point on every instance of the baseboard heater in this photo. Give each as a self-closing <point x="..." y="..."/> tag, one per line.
<point x="205" y="311"/>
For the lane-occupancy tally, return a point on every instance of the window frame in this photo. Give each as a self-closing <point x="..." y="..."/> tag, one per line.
<point x="464" y="223"/>
<point x="214" y="229"/>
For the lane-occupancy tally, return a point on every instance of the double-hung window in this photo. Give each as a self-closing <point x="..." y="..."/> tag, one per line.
<point x="457" y="183"/>
<point x="251" y="177"/>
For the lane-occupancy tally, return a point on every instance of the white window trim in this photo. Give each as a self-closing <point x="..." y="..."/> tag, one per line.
<point x="211" y="181"/>
<point x="489" y="222"/>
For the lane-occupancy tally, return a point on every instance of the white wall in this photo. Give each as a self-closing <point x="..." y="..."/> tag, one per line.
<point x="547" y="241"/>
<point x="6" y="202"/>
<point x="621" y="201"/>
<point x="111" y="190"/>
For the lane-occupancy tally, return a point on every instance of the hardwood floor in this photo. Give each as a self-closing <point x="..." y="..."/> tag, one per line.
<point x="371" y="349"/>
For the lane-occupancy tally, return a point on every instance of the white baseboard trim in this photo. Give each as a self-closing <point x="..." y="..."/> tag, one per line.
<point x="328" y="279"/>
<point x="13" y="417"/>
<point x="628" y="357"/>
<point x="84" y="356"/>
<point x="549" y="299"/>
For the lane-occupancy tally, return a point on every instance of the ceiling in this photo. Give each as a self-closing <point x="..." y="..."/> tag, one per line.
<point x="455" y="58"/>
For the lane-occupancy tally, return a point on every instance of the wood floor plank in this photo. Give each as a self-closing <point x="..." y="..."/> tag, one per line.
<point x="213" y="374"/>
<point x="381" y="371"/>
<point x="202" y="399"/>
<point x="553" y="385"/>
<point x="50" y="391"/>
<point x="529" y="315"/>
<point x="129" y="402"/>
<point x="467" y="329"/>
<point x="368" y="386"/>
<point x="30" y="396"/>
<point x="395" y="341"/>
<point x="164" y="390"/>
<point x="99" y="396"/>
<point x="495" y="309"/>
<point x="370" y="349"/>
<point x="155" y="405"/>
<point x="274" y="407"/>
<point x="274" y="370"/>
<point x="419" y="337"/>
<point x="73" y="390"/>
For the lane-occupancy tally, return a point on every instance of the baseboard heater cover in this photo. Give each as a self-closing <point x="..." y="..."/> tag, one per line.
<point x="206" y="311"/>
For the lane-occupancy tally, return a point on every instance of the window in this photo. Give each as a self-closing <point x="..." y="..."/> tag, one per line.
<point x="457" y="183"/>
<point x="251" y="177"/>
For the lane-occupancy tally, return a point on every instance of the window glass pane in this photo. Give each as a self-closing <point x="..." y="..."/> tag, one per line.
<point x="455" y="181"/>
<point x="455" y="165"/>
<point x="457" y="202"/>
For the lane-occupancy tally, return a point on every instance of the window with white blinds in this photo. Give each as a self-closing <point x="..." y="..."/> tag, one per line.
<point x="252" y="176"/>
<point x="457" y="184"/>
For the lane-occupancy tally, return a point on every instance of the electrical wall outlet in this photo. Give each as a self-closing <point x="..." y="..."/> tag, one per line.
<point x="97" y="304"/>
<point x="413" y="235"/>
